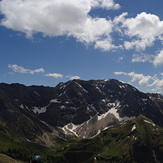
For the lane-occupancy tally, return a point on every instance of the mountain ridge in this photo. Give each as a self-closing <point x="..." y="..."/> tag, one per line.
<point x="81" y="111"/>
<point x="87" y="104"/>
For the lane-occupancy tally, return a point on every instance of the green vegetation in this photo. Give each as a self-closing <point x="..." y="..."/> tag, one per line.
<point x="7" y="159"/>
<point x="20" y="149"/>
<point x="138" y="140"/>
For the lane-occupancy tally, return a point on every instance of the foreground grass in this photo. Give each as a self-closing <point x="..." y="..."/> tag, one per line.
<point x="6" y="159"/>
<point x="138" y="140"/>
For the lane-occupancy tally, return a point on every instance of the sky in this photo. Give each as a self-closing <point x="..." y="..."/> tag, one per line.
<point x="45" y="42"/>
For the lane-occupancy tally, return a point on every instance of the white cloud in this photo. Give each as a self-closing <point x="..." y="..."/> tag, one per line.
<point x="107" y="4"/>
<point x="22" y="70"/>
<point x="72" y="18"/>
<point x="139" y="44"/>
<point x="152" y="82"/>
<point x="158" y="59"/>
<point x="105" y="44"/>
<point x="57" y="18"/>
<point x="144" y="25"/>
<point x="141" y="79"/>
<point x="142" y="58"/>
<point x="143" y="30"/>
<point x="92" y="32"/>
<point x="121" y="18"/>
<point x="74" y="77"/>
<point x="158" y="84"/>
<point x="54" y="75"/>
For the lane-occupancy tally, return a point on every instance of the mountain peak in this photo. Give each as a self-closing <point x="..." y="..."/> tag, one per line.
<point x="86" y="104"/>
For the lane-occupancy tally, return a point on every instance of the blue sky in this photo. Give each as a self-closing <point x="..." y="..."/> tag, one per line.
<point x="45" y="42"/>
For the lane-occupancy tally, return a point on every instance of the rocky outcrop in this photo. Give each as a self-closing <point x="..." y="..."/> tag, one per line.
<point x="77" y="107"/>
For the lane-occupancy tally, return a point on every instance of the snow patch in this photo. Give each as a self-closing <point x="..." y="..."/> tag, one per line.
<point x="98" y="132"/>
<point x="81" y="87"/>
<point x="62" y="107"/>
<point x="122" y="86"/>
<point x="36" y="109"/>
<point x="76" y="129"/>
<point x="39" y="110"/>
<point x="36" y="93"/>
<point x="149" y="122"/>
<point x="103" y="100"/>
<point x="70" y="128"/>
<point x="28" y="140"/>
<point x="91" y="107"/>
<point x="62" y="87"/>
<point x="24" y="107"/>
<point x="106" y="128"/>
<point x="134" y="138"/>
<point x="133" y="128"/>
<point x="54" y="101"/>
<point x="98" y="89"/>
<point x="145" y="101"/>
<point x="114" y="106"/>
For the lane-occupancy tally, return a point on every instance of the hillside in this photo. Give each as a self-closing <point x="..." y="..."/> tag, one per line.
<point x="138" y="140"/>
<point x="102" y="120"/>
<point x="6" y="159"/>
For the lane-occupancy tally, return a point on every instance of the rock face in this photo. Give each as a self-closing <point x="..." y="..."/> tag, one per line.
<point x="138" y="140"/>
<point x="77" y="107"/>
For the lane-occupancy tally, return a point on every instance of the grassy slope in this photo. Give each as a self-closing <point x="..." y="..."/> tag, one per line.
<point x="6" y="159"/>
<point x="20" y="149"/>
<point x="117" y="144"/>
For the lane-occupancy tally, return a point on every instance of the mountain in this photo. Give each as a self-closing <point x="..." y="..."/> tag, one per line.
<point x="77" y="109"/>
<point x="138" y="141"/>
<point x="81" y="108"/>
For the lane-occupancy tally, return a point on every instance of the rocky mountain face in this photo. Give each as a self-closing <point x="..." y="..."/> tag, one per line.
<point x="76" y="108"/>
<point x="138" y="141"/>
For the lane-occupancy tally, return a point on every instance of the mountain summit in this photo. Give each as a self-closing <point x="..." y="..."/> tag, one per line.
<point x="84" y="121"/>
<point x="77" y="108"/>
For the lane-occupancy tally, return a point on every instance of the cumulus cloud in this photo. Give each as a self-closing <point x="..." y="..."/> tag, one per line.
<point x="106" y="4"/>
<point x="54" y="75"/>
<point x="141" y="79"/>
<point x="22" y="70"/>
<point x="152" y="82"/>
<point x="73" y="77"/>
<point x="158" y="84"/>
<point x="57" y="18"/>
<point x="158" y="59"/>
<point x="72" y="19"/>
<point x="143" y="30"/>
<point x="143" y="58"/>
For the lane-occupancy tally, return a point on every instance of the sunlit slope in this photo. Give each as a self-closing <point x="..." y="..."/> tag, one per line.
<point x="139" y="140"/>
<point x="7" y="159"/>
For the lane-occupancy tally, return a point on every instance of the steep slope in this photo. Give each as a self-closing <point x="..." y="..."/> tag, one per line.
<point x="82" y="100"/>
<point x="17" y="111"/>
<point x="18" y="148"/>
<point x="139" y="140"/>
<point x="88" y="107"/>
<point x="117" y="121"/>
<point x="6" y="159"/>
<point x="77" y="107"/>
<point x="157" y="99"/>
